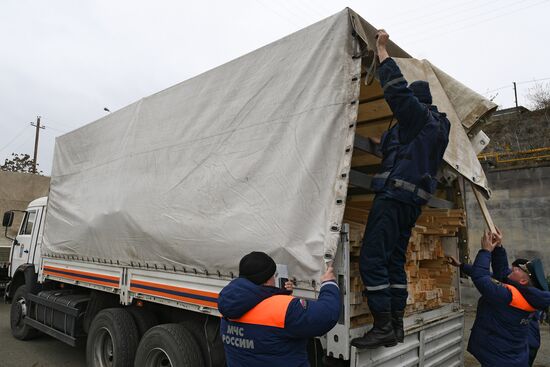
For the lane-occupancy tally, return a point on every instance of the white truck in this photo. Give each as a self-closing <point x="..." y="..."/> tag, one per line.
<point x="151" y="207"/>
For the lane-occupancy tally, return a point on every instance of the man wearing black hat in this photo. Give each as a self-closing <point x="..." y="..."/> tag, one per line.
<point x="265" y="326"/>
<point x="503" y="333"/>
<point x="412" y="151"/>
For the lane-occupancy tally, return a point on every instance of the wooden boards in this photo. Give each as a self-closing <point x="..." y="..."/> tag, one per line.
<point x="430" y="278"/>
<point x="373" y="110"/>
<point x="483" y="206"/>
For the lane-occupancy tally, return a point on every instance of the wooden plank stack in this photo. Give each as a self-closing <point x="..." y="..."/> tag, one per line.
<point x="430" y="278"/>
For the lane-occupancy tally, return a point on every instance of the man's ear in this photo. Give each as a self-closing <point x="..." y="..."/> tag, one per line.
<point x="523" y="282"/>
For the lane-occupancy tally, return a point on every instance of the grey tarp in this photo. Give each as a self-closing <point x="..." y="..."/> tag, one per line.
<point x="252" y="155"/>
<point x="247" y="156"/>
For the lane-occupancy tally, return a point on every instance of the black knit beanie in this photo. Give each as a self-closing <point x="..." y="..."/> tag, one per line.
<point x="421" y="90"/>
<point x="257" y="267"/>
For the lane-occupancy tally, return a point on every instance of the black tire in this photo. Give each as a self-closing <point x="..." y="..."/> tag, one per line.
<point x="18" y="311"/>
<point x="209" y="342"/>
<point x="112" y="340"/>
<point x="143" y="318"/>
<point x="168" y="345"/>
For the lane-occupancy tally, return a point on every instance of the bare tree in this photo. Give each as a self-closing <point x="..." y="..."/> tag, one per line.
<point x="539" y="96"/>
<point x="19" y="163"/>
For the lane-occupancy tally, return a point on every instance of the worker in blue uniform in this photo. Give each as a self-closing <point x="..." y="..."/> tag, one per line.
<point x="533" y="334"/>
<point x="263" y="325"/>
<point x="500" y="334"/>
<point x="412" y="151"/>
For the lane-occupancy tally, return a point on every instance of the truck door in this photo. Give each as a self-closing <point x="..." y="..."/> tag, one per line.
<point x="24" y="243"/>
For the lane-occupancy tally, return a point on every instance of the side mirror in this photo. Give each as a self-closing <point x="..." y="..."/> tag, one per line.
<point x="7" y="221"/>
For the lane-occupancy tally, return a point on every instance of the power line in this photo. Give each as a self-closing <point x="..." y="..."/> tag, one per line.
<point x="480" y="21"/>
<point x="446" y="10"/>
<point x="497" y="89"/>
<point x="472" y="18"/>
<point x="290" y="10"/>
<point x="320" y="4"/>
<point x="20" y="145"/>
<point x="533" y="81"/>
<point x="309" y="9"/>
<point x="518" y="83"/>
<point x="280" y="15"/>
<point x="14" y="139"/>
<point x="56" y="129"/>
<point x="407" y="13"/>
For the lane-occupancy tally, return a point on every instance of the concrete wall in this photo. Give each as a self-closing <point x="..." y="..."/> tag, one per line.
<point x="520" y="207"/>
<point x="17" y="190"/>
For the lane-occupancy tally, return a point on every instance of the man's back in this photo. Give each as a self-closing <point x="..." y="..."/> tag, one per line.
<point x="499" y="334"/>
<point x="264" y="326"/>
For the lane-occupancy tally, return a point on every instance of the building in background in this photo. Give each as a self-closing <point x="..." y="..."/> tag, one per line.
<point x="17" y="190"/>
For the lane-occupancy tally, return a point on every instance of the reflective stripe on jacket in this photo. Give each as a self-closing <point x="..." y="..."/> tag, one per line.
<point x="263" y="326"/>
<point x="269" y="312"/>
<point x="518" y="301"/>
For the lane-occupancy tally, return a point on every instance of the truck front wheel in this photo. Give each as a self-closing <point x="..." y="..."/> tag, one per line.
<point x="168" y="345"/>
<point x="18" y="312"/>
<point x="112" y="339"/>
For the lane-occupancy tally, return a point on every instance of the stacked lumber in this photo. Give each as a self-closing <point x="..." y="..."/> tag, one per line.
<point x="430" y="279"/>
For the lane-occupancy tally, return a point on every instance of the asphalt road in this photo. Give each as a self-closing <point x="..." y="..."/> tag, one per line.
<point x="41" y="352"/>
<point x="48" y="352"/>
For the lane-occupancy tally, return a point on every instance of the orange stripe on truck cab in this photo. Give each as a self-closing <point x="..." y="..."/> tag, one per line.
<point x="269" y="312"/>
<point x="518" y="301"/>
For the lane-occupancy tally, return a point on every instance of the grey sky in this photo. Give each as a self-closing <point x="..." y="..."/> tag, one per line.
<point x="67" y="60"/>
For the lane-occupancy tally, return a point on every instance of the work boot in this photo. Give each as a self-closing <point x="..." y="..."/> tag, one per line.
<point x="381" y="334"/>
<point x="397" y="323"/>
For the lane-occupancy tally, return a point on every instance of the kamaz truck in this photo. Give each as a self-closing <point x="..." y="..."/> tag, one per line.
<point x="151" y="207"/>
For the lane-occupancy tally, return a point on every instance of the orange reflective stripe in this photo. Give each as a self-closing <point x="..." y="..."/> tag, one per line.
<point x="518" y="301"/>
<point x="269" y="312"/>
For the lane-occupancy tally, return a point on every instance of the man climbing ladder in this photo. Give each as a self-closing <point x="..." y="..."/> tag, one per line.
<point x="412" y="152"/>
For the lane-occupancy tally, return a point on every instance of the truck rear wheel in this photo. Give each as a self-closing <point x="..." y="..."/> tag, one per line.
<point x="143" y="318"/>
<point x="112" y="340"/>
<point x="18" y="312"/>
<point x="168" y="345"/>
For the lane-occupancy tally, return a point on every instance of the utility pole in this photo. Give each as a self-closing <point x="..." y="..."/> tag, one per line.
<point x="38" y="127"/>
<point x="516" y="94"/>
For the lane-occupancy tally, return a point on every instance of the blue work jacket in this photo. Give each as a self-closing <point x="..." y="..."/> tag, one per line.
<point x="499" y="336"/>
<point x="265" y="326"/>
<point x="412" y="150"/>
<point x="499" y="257"/>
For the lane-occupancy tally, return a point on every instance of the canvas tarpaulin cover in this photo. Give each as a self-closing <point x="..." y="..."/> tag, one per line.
<point x="251" y="156"/>
<point x="245" y="157"/>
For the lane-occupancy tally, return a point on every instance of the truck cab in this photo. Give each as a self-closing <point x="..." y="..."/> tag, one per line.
<point x="25" y="249"/>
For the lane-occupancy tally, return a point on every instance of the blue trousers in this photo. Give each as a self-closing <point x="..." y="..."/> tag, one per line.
<point x="383" y="253"/>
